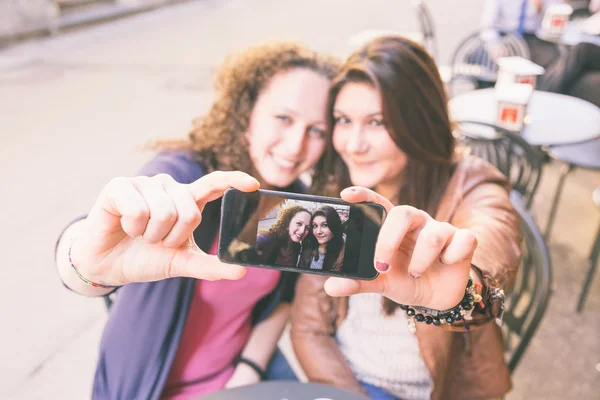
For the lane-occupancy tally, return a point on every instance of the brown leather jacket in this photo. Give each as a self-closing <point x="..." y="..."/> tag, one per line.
<point x="462" y="365"/>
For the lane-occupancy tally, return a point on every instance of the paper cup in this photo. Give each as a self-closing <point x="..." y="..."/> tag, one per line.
<point x="556" y="19"/>
<point x="518" y="70"/>
<point x="512" y="100"/>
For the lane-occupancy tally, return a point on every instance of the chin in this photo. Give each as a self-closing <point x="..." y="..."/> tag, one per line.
<point x="364" y="179"/>
<point x="278" y="181"/>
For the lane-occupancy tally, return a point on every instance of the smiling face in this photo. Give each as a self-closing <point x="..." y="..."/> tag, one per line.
<point x="298" y="228"/>
<point x="288" y="126"/>
<point x="362" y="140"/>
<point x="320" y="229"/>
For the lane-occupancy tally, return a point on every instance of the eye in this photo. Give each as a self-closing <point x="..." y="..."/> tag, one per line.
<point x="313" y="130"/>
<point x="376" y="122"/>
<point x="341" y="120"/>
<point x="284" y="118"/>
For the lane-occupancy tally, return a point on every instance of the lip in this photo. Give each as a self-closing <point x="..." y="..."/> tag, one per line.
<point x="284" y="162"/>
<point x="362" y="163"/>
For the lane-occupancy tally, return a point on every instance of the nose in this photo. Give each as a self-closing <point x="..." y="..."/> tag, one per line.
<point x="294" y="140"/>
<point x="356" y="142"/>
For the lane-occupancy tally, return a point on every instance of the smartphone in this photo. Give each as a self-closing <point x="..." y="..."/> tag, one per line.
<point x="299" y="233"/>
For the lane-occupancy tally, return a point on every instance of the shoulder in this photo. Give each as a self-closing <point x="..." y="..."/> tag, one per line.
<point x="264" y="239"/>
<point x="182" y="166"/>
<point x="472" y="172"/>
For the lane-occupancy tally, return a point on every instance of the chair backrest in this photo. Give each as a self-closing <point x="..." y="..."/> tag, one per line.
<point x="519" y="161"/>
<point x="526" y="303"/>
<point x="472" y="59"/>
<point x="427" y="29"/>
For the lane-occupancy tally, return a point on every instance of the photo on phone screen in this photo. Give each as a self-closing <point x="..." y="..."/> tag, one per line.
<point x="299" y="233"/>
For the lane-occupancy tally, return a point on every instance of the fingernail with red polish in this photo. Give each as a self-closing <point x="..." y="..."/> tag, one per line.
<point x="381" y="266"/>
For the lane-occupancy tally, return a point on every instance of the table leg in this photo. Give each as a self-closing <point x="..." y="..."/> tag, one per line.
<point x="565" y="170"/>
<point x="590" y="275"/>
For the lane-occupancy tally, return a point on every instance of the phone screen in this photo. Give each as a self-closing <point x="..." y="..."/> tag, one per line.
<point x="300" y="233"/>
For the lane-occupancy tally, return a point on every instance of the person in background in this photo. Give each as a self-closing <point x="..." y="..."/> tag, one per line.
<point x="575" y="72"/>
<point x="448" y="248"/>
<point x="184" y="324"/>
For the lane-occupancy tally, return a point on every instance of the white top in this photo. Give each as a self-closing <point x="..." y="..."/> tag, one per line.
<point x="381" y="351"/>
<point x="317" y="264"/>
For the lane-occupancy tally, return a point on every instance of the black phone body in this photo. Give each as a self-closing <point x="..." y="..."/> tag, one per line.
<point x="299" y="233"/>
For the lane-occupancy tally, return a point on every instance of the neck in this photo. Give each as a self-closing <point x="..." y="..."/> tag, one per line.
<point x="323" y="248"/>
<point x="390" y="191"/>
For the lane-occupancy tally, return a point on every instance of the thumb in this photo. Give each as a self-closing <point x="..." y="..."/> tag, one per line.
<point x="338" y="287"/>
<point x="193" y="263"/>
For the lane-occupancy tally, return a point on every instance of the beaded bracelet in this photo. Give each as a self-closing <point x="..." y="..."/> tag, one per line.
<point x="84" y="279"/>
<point x="460" y="312"/>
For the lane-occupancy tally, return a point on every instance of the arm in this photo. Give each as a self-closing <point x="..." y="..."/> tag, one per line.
<point x="489" y="21"/>
<point x="486" y="211"/>
<point x="65" y="271"/>
<point x="314" y="317"/>
<point x="261" y="346"/>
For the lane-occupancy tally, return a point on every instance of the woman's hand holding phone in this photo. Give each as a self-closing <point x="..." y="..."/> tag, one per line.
<point x="421" y="261"/>
<point x="140" y="229"/>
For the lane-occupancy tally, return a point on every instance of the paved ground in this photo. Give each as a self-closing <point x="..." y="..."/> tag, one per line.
<point x="74" y="110"/>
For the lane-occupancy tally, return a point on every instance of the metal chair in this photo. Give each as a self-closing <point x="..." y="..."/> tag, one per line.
<point x="526" y="303"/>
<point x="519" y="161"/>
<point x="427" y="30"/>
<point x="425" y="37"/>
<point x="580" y="155"/>
<point x="472" y="63"/>
<point x="593" y="259"/>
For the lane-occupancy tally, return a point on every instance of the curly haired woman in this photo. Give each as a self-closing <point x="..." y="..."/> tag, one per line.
<point x="186" y="336"/>
<point x="282" y="243"/>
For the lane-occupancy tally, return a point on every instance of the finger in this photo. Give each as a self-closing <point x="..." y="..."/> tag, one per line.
<point x="122" y="202"/>
<point x="338" y="287"/>
<point x="212" y="186"/>
<point x="193" y="263"/>
<point x="432" y="240"/>
<point x="462" y="247"/>
<point x="358" y="194"/>
<point x="162" y="210"/>
<point x="188" y="214"/>
<point x="399" y="222"/>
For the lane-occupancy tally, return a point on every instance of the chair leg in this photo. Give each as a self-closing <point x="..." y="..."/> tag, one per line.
<point x="591" y="271"/>
<point x="565" y="170"/>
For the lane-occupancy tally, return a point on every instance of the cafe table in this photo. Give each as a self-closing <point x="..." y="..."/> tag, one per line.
<point x="552" y="119"/>
<point x="284" y="390"/>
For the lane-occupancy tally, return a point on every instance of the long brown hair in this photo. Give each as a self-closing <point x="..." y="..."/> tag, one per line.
<point x="414" y="107"/>
<point x="310" y="245"/>
<point x="218" y="138"/>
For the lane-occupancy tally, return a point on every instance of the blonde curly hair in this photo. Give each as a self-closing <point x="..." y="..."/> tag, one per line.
<point x="218" y="138"/>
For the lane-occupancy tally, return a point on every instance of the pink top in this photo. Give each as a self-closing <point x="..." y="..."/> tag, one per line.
<point x="217" y="329"/>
